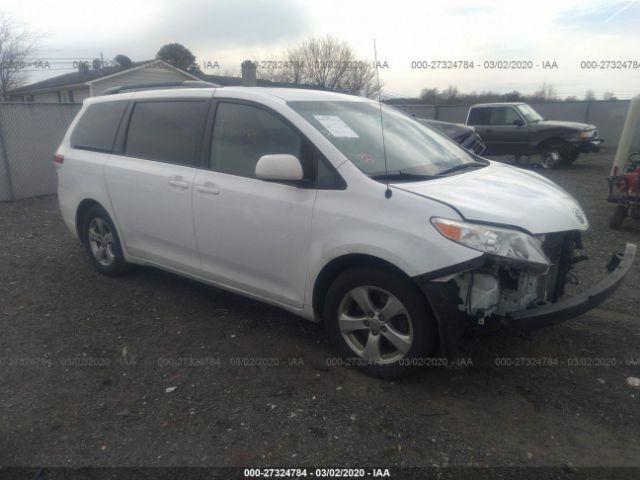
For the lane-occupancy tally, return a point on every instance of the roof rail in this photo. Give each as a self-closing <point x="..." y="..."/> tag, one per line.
<point x="152" y="86"/>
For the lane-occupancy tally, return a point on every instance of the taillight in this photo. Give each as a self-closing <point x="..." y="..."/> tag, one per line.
<point x="58" y="159"/>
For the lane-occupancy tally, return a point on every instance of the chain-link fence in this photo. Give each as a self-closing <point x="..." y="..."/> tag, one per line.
<point x="29" y="136"/>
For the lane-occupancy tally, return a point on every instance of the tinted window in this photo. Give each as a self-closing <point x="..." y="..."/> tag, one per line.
<point x="503" y="116"/>
<point x="169" y="131"/>
<point x="325" y="177"/>
<point x="479" y="116"/>
<point x="242" y="134"/>
<point x="96" y="129"/>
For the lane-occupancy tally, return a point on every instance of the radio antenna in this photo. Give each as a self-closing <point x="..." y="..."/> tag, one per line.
<point x="387" y="192"/>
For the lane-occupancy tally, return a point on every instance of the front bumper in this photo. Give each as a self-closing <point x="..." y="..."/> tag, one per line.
<point x="454" y="325"/>
<point x="589" y="146"/>
<point x="568" y="308"/>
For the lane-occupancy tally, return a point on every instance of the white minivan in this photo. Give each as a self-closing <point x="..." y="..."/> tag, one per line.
<point x="330" y="206"/>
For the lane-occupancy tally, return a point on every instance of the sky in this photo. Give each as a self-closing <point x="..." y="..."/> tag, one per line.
<point x="544" y="32"/>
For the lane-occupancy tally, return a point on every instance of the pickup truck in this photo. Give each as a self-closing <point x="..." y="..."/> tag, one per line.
<point x="463" y="135"/>
<point x="517" y="129"/>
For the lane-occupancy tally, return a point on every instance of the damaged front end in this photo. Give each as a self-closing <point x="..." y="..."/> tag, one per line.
<point x="511" y="293"/>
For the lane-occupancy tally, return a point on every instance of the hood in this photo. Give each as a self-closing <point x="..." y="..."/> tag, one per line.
<point x="571" y="125"/>
<point x="501" y="194"/>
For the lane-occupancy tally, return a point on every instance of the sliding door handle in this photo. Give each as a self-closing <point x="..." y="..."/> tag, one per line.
<point x="208" y="188"/>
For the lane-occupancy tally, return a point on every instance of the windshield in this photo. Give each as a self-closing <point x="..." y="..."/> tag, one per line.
<point x="530" y="114"/>
<point x="412" y="149"/>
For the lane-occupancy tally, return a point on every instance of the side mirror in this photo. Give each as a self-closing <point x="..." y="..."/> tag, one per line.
<point x="279" y="167"/>
<point x="518" y="122"/>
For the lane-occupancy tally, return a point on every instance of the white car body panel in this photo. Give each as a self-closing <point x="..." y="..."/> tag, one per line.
<point x="144" y="194"/>
<point x="501" y="194"/>
<point x="254" y="235"/>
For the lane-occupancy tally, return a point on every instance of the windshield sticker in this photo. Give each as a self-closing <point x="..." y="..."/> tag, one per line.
<point x="336" y="126"/>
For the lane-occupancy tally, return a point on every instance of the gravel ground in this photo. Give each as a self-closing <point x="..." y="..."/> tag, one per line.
<point x="148" y="370"/>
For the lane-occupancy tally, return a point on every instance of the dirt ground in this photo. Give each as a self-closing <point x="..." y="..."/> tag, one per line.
<point x="152" y="369"/>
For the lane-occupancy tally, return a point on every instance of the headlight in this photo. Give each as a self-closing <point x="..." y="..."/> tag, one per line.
<point x="501" y="242"/>
<point x="586" y="134"/>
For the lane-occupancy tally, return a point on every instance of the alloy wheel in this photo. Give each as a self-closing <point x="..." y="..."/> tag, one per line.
<point x="375" y="324"/>
<point x="101" y="242"/>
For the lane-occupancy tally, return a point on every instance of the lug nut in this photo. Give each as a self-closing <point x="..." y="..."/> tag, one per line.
<point x="366" y="323"/>
<point x="375" y="332"/>
<point x="381" y="318"/>
<point x="384" y="329"/>
<point x="371" y="314"/>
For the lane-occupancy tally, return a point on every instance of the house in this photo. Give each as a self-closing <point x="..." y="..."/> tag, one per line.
<point x="76" y="86"/>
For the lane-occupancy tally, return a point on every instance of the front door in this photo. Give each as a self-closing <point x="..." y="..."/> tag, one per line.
<point x="253" y="235"/>
<point x="503" y="135"/>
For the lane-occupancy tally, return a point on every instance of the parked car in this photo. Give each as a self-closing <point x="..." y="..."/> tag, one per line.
<point x="517" y="129"/>
<point x="463" y="135"/>
<point x="291" y="197"/>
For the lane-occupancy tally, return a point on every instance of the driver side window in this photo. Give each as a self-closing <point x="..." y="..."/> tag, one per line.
<point x="243" y="133"/>
<point x="503" y="116"/>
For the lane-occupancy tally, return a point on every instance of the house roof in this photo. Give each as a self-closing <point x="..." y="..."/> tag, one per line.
<point x="90" y="76"/>
<point x="237" y="82"/>
<point x="75" y="78"/>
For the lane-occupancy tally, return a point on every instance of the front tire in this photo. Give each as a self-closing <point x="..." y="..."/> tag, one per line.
<point x="379" y="321"/>
<point x="556" y="153"/>
<point x="570" y="155"/>
<point x="102" y="243"/>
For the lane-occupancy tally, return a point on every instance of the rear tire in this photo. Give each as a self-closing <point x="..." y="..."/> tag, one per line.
<point x="102" y="243"/>
<point x="379" y="322"/>
<point x="618" y="216"/>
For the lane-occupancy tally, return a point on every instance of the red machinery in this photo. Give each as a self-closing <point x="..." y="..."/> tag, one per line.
<point x="624" y="179"/>
<point x="624" y="191"/>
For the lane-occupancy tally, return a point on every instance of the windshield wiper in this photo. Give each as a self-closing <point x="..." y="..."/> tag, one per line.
<point x="401" y="176"/>
<point x="462" y="166"/>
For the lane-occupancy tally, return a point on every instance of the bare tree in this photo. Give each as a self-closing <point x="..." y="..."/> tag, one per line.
<point x="430" y="95"/>
<point x="289" y="68"/>
<point x="16" y="45"/>
<point x="609" y="96"/>
<point x="325" y="62"/>
<point x="451" y="94"/>
<point x="362" y="80"/>
<point x="546" y="92"/>
<point x="590" y="95"/>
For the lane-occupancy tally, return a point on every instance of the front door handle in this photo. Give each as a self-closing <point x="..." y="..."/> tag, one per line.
<point x="178" y="182"/>
<point x="208" y="188"/>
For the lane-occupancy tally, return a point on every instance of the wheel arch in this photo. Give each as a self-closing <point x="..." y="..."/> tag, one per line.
<point x="340" y="264"/>
<point x="83" y="208"/>
<point x="538" y="147"/>
<point x="81" y="211"/>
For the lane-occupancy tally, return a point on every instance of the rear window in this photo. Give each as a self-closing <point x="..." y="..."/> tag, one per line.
<point x="96" y="129"/>
<point x="479" y="116"/>
<point x="168" y="131"/>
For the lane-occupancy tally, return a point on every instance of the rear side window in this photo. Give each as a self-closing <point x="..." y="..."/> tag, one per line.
<point x="167" y="131"/>
<point x="96" y="129"/>
<point x="478" y="116"/>
<point x="242" y="134"/>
